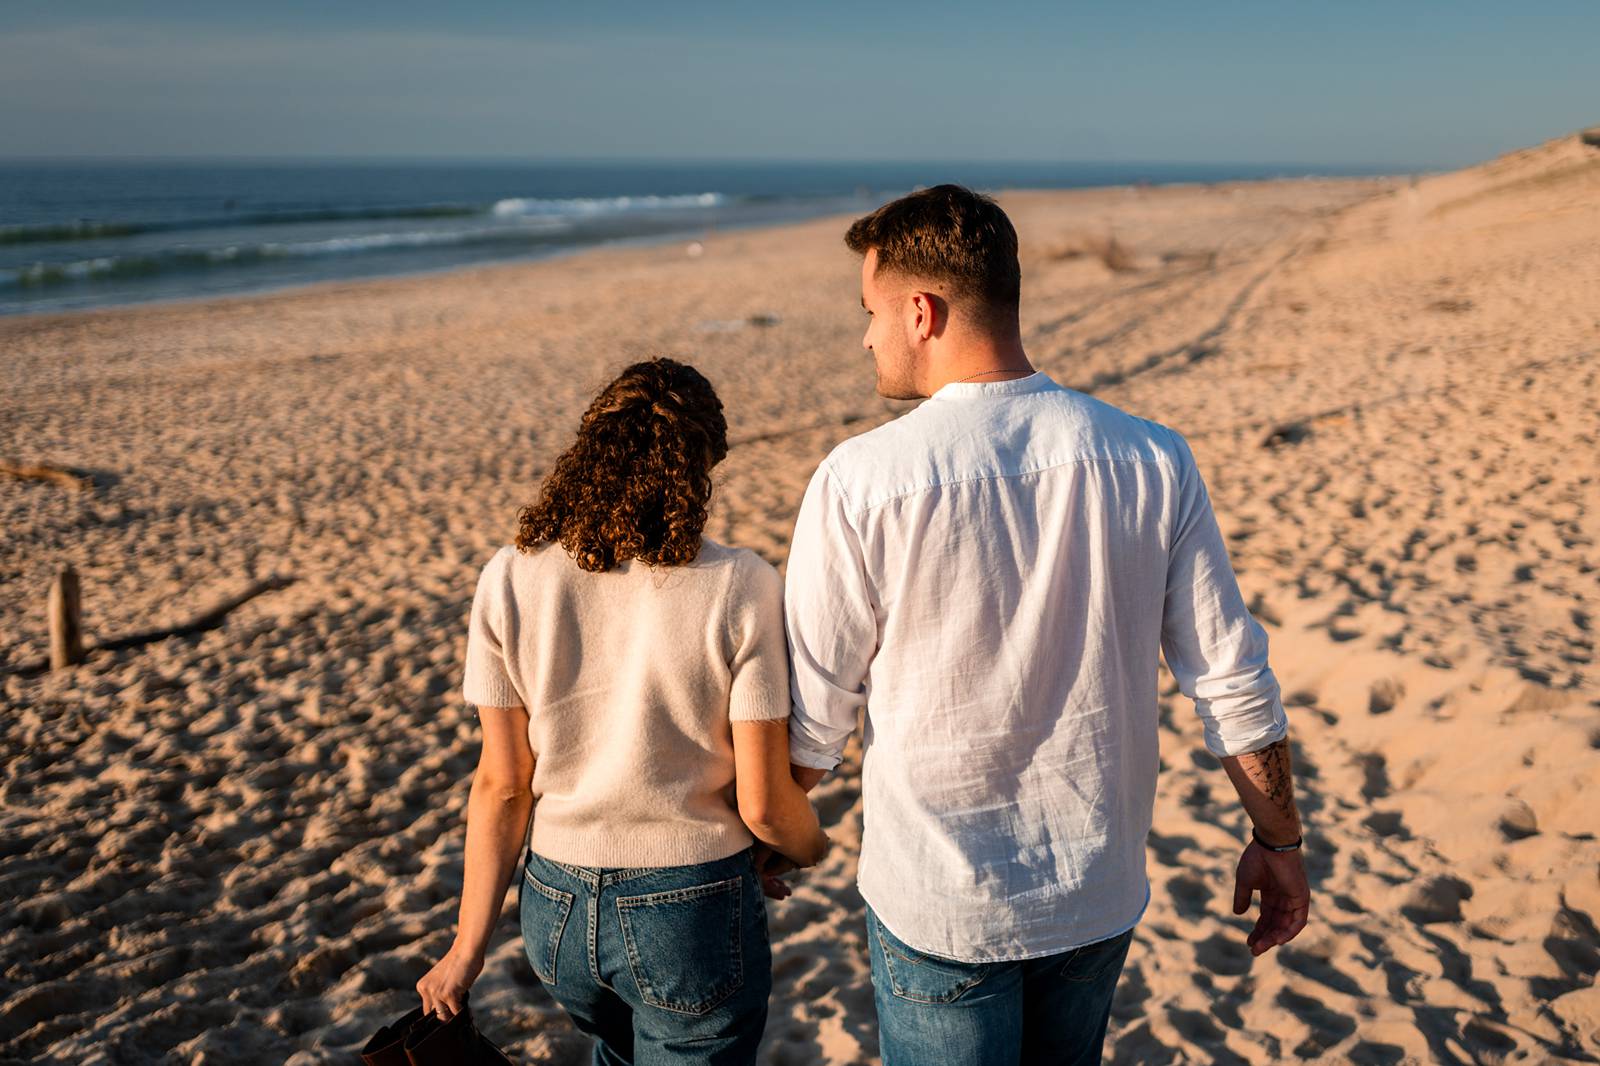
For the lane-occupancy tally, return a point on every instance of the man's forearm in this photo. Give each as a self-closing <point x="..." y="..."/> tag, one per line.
<point x="1265" y="783"/>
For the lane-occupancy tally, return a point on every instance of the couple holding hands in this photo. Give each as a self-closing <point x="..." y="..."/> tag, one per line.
<point x="989" y="578"/>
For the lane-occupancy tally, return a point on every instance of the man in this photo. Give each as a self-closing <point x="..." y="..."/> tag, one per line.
<point x="991" y="576"/>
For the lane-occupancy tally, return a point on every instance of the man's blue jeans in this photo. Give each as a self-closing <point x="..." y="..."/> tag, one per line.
<point x="663" y="965"/>
<point x="938" y="1012"/>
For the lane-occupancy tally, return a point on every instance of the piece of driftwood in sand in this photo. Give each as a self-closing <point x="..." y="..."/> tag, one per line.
<point x="66" y="620"/>
<point x="1286" y="433"/>
<point x="40" y="472"/>
<point x="208" y="619"/>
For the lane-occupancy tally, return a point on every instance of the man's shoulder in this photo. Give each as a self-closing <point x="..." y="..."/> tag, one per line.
<point x="933" y="442"/>
<point x="868" y="447"/>
<point x="860" y="466"/>
<point x="1156" y="439"/>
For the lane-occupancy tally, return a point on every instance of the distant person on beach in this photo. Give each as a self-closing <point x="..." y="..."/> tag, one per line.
<point x="631" y="677"/>
<point x="990" y="578"/>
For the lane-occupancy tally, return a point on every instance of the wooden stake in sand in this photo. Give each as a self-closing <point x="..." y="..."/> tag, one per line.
<point x="66" y="628"/>
<point x="66" y="621"/>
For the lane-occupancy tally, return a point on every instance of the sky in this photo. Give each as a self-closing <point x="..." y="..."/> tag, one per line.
<point x="1405" y="84"/>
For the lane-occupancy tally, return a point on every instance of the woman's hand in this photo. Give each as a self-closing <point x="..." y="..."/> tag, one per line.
<point x="770" y="868"/>
<point x="444" y="988"/>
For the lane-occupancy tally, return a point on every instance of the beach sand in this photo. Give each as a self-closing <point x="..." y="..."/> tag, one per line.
<point x="245" y="846"/>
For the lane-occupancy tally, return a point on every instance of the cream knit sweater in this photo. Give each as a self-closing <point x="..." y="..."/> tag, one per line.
<point x="631" y="678"/>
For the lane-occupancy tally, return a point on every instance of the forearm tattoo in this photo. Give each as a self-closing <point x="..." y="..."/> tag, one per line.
<point x="1269" y="771"/>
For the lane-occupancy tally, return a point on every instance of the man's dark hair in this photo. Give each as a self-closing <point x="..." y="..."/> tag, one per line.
<point x="952" y="235"/>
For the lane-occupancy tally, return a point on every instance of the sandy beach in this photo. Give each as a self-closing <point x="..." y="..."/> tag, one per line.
<point x="245" y="845"/>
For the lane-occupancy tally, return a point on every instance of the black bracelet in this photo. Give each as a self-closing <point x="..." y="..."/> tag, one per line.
<point x="1277" y="847"/>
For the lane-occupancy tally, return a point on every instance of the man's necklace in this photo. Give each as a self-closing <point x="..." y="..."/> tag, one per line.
<point x="980" y="374"/>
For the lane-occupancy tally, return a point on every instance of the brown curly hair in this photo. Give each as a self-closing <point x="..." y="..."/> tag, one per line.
<point x="636" y="482"/>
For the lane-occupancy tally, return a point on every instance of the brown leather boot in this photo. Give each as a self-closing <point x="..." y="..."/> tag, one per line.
<point x="452" y="1043"/>
<point x="387" y="1046"/>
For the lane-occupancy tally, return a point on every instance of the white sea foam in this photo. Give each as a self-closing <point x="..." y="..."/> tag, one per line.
<point x="190" y="257"/>
<point x="517" y="219"/>
<point x="585" y="206"/>
<point x="371" y="242"/>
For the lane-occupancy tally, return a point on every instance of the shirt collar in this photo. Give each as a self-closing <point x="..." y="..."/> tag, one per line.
<point x="1038" y="381"/>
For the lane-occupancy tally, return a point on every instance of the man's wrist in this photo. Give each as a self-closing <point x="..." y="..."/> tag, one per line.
<point x="1275" y="844"/>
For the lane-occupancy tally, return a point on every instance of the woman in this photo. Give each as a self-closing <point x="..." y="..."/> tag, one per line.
<point x="632" y="675"/>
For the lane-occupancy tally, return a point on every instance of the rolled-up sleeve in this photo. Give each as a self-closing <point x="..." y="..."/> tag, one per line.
<point x="1215" y="649"/>
<point x="831" y="623"/>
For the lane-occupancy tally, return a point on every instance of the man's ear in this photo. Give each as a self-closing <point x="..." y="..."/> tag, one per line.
<point x="928" y="315"/>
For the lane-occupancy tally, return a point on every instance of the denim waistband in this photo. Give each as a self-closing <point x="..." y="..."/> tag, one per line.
<point x="597" y="877"/>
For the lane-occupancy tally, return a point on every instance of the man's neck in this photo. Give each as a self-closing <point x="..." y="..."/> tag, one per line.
<point x="981" y="359"/>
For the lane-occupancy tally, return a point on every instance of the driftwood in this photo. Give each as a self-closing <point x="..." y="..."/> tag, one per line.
<point x="40" y="472"/>
<point x="1112" y="253"/>
<point x="66" y="620"/>
<point x="208" y="619"/>
<point x="1286" y="433"/>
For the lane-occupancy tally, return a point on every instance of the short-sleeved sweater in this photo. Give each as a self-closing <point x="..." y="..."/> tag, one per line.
<point x="630" y="678"/>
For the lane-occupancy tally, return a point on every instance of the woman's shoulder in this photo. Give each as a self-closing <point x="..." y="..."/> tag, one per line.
<point x="714" y="554"/>
<point x="746" y="570"/>
<point x="508" y="559"/>
<point x="501" y="560"/>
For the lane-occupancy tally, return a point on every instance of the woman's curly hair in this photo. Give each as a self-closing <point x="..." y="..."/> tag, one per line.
<point x="636" y="482"/>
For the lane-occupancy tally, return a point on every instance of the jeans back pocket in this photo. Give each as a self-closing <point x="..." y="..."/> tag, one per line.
<point x="923" y="978"/>
<point x="685" y="946"/>
<point x="1093" y="962"/>
<point x="543" y="913"/>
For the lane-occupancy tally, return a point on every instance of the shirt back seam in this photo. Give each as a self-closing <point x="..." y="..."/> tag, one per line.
<point x="862" y="511"/>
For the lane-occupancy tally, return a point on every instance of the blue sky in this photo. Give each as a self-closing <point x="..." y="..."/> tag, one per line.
<point x="1236" y="81"/>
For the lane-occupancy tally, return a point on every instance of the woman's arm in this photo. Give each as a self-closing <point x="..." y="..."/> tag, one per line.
<point x="773" y="807"/>
<point x="498" y="809"/>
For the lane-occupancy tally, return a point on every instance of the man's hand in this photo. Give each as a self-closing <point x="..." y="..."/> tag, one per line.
<point x="1280" y="877"/>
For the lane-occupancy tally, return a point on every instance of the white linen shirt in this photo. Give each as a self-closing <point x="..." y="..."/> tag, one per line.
<point x="991" y="576"/>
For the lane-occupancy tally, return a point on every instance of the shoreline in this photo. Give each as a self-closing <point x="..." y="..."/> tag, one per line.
<point x="686" y="235"/>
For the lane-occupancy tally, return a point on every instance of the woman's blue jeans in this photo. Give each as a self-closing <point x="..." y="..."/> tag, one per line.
<point x="661" y="965"/>
<point x="933" y="1010"/>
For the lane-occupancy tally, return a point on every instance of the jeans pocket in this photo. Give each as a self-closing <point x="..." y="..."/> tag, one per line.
<point x="1093" y="962"/>
<point x="685" y="946"/>
<point x="923" y="978"/>
<point x="543" y="913"/>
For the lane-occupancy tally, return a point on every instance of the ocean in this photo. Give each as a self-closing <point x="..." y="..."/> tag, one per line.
<point x="90" y="234"/>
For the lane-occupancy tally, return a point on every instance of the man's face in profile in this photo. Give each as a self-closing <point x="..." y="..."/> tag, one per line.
<point x="886" y="333"/>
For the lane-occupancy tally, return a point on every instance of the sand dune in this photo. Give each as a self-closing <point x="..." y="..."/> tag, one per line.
<point x="244" y="846"/>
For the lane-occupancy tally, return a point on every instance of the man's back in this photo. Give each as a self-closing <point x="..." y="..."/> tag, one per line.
<point x="992" y="575"/>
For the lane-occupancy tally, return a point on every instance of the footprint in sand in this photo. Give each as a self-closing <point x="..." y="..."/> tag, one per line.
<point x="1374" y="775"/>
<point x="1436" y="899"/>
<point x="1384" y="694"/>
